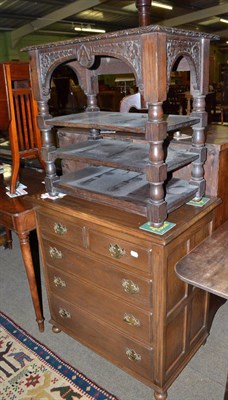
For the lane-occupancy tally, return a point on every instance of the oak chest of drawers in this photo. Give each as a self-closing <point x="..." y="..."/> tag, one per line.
<point x="113" y="287"/>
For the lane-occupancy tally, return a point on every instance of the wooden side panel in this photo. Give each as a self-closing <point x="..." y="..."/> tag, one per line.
<point x="187" y="307"/>
<point x="176" y="289"/>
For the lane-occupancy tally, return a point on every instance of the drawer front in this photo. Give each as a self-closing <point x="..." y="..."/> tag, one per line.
<point x="111" y="309"/>
<point x="130" y="287"/>
<point x="120" y="251"/>
<point x="102" y="338"/>
<point x="62" y="228"/>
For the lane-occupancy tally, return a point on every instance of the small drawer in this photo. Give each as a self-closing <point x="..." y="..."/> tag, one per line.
<point x="120" y="251"/>
<point x="135" y="289"/>
<point x="111" y="309"/>
<point x="103" y="338"/>
<point x="62" y="228"/>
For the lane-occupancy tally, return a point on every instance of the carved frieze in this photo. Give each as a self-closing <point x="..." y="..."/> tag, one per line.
<point x="47" y="59"/>
<point x="127" y="50"/>
<point x="187" y="48"/>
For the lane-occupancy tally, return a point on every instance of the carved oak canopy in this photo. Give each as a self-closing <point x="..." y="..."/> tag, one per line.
<point x="89" y="55"/>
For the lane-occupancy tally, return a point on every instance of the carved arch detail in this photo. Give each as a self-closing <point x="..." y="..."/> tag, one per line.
<point x="188" y="49"/>
<point x="127" y="51"/>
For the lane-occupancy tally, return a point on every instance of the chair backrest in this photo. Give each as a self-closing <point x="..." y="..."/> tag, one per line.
<point x="23" y="131"/>
<point x="20" y="76"/>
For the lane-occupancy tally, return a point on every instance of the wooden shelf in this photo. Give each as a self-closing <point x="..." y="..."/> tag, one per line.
<point x="119" y="122"/>
<point x="127" y="190"/>
<point x="121" y="154"/>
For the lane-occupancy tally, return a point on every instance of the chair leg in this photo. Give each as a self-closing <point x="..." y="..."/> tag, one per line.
<point x="14" y="176"/>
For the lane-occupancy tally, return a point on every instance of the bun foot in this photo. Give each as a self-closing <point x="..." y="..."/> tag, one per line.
<point x="55" y="329"/>
<point x="160" y="396"/>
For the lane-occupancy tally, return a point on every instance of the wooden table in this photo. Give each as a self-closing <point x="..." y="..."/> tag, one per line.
<point x="17" y="215"/>
<point x="206" y="266"/>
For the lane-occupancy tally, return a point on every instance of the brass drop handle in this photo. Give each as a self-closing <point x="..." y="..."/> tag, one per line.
<point x="59" y="228"/>
<point x="130" y="319"/>
<point x="130" y="286"/>
<point x="55" y="253"/>
<point x="58" y="282"/>
<point x="64" y="313"/>
<point x="132" y="355"/>
<point x="116" y="251"/>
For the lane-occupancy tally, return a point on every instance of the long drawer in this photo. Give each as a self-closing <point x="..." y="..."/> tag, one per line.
<point x="124" y="351"/>
<point x="97" y="301"/>
<point x="134" y="289"/>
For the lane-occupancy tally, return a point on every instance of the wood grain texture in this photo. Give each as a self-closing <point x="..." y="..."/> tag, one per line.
<point x="206" y="266"/>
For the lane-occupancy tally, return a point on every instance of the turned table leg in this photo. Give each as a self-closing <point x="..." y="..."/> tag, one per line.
<point x="29" y="267"/>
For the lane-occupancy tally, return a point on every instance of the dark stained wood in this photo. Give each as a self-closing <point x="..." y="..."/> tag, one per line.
<point x="127" y="190"/>
<point x="150" y="53"/>
<point x="114" y="121"/>
<point x="206" y="266"/>
<point x="18" y="216"/>
<point x="144" y="11"/>
<point x="122" y="154"/>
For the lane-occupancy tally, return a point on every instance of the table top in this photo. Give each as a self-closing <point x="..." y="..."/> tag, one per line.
<point x="206" y="266"/>
<point x="16" y="205"/>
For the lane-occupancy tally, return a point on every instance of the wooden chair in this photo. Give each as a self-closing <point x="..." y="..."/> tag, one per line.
<point x="24" y="135"/>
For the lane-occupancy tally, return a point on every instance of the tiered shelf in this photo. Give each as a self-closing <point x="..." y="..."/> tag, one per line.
<point x="116" y="169"/>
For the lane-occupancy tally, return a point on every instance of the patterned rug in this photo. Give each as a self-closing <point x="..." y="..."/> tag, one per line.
<point x="30" y="371"/>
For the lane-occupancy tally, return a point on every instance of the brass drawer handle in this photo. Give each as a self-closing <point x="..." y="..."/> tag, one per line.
<point x="116" y="251"/>
<point x="131" y="320"/>
<point x="58" y="282"/>
<point x="55" y="253"/>
<point x="129" y="286"/>
<point x="59" y="228"/>
<point x="132" y="355"/>
<point x="64" y="313"/>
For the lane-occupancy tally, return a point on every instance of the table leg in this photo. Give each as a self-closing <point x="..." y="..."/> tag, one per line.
<point x="9" y="239"/>
<point x="29" y="267"/>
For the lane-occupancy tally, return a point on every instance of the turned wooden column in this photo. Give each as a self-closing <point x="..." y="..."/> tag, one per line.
<point x="91" y="90"/>
<point x="48" y="144"/>
<point x="156" y="171"/>
<point x="144" y="9"/>
<point x="198" y="146"/>
<point x="155" y="93"/>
